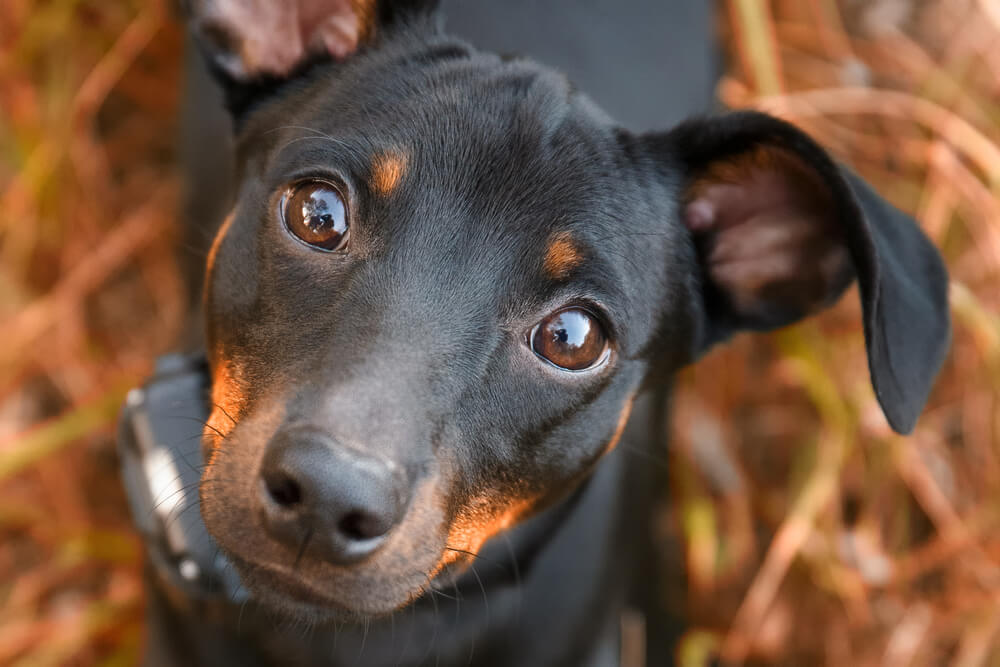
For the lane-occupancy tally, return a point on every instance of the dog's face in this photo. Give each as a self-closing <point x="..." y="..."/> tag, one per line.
<point x="447" y="276"/>
<point x="474" y="312"/>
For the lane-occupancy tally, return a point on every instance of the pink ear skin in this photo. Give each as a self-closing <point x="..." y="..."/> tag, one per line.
<point x="253" y="38"/>
<point x="767" y="233"/>
<point x="338" y="34"/>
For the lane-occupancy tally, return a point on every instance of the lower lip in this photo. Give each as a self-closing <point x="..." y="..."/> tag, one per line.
<point x="292" y="589"/>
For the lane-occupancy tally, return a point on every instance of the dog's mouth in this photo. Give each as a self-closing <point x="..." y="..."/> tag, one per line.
<point x="276" y="587"/>
<point x="299" y="576"/>
<point x="348" y="596"/>
<point x="293" y="558"/>
<point x="292" y="592"/>
<point x="304" y="587"/>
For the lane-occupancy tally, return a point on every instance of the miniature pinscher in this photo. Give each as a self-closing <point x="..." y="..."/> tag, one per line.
<point x="447" y="280"/>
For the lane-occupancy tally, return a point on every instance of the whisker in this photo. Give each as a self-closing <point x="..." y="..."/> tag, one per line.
<point x="661" y="461"/>
<point x="364" y="639"/>
<point x="430" y="644"/>
<point x="158" y="501"/>
<point x="486" y="600"/>
<point x="176" y="517"/>
<point x="314" y="130"/>
<point x="409" y="633"/>
<point x="517" y="573"/>
<point x="438" y="591"/>
<point x="223" y="411"/>
<point x="392" y="630"/>
<point x="478" y="557"/>
<point x="239" y="620"/>
<point x="195" y="251"/>
<point x="335" y="142"/>
<point x="190" y="487"/>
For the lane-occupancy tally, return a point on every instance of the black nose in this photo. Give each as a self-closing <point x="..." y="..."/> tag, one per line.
<point x="336" y="503"/>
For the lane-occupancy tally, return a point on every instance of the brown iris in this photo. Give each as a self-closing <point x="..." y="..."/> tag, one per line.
<point x="572" y="339"/>
<point x="315" y="213"/>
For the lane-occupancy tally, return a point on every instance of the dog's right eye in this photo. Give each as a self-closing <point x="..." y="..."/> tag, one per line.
<point x="571" y="339"/>
<point x="316" y="214"/>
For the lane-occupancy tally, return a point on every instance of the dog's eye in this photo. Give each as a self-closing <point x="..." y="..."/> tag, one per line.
<point x="315" y="213"/>
<point x="571" y="339"/>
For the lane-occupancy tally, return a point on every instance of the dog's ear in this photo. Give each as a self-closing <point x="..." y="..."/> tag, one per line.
<point x="253" y="44"/>
<point x="781" y="231"/>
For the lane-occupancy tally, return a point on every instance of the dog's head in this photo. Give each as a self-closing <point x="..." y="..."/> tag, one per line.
<point x="447" y="275"/>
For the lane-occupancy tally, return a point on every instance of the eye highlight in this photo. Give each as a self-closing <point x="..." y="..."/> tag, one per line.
<point x="315" y="213"/>
<point x="571" y="339"/>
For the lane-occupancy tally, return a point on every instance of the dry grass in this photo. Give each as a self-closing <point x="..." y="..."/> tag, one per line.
<point x="812" y="534"/>
<point x="88" y="294"/>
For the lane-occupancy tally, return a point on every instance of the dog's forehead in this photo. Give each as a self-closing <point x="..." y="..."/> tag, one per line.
<point x="475" y="142"/>
<point x="475" y="169"/>
<point x="478" y="126"/>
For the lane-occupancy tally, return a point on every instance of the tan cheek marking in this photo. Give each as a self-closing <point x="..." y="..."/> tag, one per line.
<point x="481" y="521"/>
<point x="388" y="170"/>
<point x="228" y="402"/>
<point x="562" y="256"/>
<point x="227" y="397"/>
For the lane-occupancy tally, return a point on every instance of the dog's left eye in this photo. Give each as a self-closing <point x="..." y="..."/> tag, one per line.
<point x="571" y="339"/>
<point x="316" y="214"/>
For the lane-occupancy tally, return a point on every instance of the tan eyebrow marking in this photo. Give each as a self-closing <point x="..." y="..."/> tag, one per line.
<point x="388" y="170"/>
<point x="562" y="255"/>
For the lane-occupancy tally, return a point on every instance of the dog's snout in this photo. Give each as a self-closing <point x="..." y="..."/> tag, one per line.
<point x="336" y="503"/>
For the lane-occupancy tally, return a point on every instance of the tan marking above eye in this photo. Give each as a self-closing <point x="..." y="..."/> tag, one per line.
<point x="388" y="170"/>
<point x="561" y="256"/>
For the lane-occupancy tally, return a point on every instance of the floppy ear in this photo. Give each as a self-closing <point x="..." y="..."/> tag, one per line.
<point x="781" y="231"/>
<point x="255" y="44"/>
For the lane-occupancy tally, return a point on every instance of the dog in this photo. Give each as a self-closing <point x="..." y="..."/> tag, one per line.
<point x="449" y="287"/>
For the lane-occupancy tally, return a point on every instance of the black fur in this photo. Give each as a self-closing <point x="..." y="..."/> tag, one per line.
<point x="412" y="344"/>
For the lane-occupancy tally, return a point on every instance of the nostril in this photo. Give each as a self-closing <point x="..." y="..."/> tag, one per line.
<point x="348" y="502"/>
<point x="360" y="526"/>
<point x="284" y="490"/>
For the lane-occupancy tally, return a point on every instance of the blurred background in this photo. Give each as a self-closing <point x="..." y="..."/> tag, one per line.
<point x="810" y="533"/>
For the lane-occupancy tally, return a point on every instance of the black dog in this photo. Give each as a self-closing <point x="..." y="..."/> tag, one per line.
<point x="446" y="280"/>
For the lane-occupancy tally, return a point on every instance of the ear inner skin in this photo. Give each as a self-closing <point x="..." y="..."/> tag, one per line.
<point x="775" y="221"/>
<point x="254" y="46"/>
<point x="767" y="234"/>
<point x="253" y="38"/>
